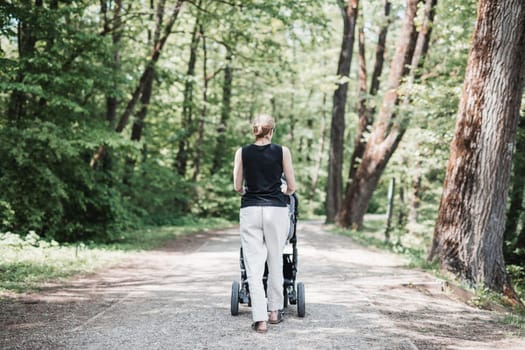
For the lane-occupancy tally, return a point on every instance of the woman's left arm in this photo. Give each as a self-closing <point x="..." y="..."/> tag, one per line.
<point x="288" y="171"/>
<point x="237" y="172"/>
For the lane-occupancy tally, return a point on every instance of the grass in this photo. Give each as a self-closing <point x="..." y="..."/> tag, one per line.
<point x="27" y="262"/>
<point x="151" y="237"/>
<point x="373" y="235"/>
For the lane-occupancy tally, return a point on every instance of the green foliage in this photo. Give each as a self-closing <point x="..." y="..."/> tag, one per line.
<point x="54" y="117"/>
<point x="158" y="195"/>
<point x="50" y="188"/>
<point x="484" y="297"/>
<point x="216" y="198"/>
<point x="517" y="275"/>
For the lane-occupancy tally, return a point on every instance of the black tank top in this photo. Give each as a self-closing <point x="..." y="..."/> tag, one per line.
<point x="263" y="169"/>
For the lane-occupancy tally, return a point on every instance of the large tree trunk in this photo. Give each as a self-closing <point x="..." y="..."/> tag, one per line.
<point x="468" y="236"/>
<point x="187" y="104"/>
<point x="337" y="129"/>
<point x="204" y="109"/>
<point x="364" y="112"/>
<point x="218" y="157"/>
<point x="386" y="133"/>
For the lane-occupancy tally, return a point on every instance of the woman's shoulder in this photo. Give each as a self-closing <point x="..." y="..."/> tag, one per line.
<point x="284" y="148"/>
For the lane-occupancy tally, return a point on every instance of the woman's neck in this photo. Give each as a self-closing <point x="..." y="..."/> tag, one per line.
<point x="262" y="142"/>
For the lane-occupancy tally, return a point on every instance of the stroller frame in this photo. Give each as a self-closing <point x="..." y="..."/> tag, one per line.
<point x="293" y="292"/>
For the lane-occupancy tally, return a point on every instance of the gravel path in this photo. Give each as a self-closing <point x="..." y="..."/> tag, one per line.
<point x="179" y="298"/>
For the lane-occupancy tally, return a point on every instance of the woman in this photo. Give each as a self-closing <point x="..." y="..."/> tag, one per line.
<point x="264" y="220"/>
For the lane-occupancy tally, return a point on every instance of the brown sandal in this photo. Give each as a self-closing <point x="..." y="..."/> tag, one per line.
<point x="256" y="326"/>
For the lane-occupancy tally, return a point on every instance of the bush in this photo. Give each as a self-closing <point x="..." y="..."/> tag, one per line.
<point x="48" y="186"/>
<point x="158" y="195"/>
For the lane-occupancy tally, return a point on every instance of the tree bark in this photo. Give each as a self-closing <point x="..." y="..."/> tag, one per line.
<point x="218" y="157"/>
<point x="386" y="133"/>
<point x="337" y="129"/>
<point x="468" y="236"/>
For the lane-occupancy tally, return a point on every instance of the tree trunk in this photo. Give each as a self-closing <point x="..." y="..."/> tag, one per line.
<point x="386" y="133"/>
<point x="390" y="207"/>
<point x="200" y="127"/>
<point x="146" y="75"/>
<point x="380" y="52"/>
<point x="415" y="198"/>
<point x="468" y="236"/>
<point x="138" y="124"/>
<point x="148" y="71"/>
<point x="512" y="238"/>
<point x="362" y="111"/>
<point x="218" y="157"/>
<point x="520" y="241"/>
<point x="319" y="157"/>
<point x="112" y="101"/>
<point x="401" y="215"/>
<point x="26" y="48"/>
<point x="365" y="112"/>
<point x="187" y="104"/>
<point x="337" y="129"/>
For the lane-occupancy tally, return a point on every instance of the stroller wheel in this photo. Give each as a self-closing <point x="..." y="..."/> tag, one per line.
<point x="300" y="300"/>
<point x="234" y="308"/>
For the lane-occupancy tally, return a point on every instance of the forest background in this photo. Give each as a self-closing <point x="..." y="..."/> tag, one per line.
<point x="115" y="114"/>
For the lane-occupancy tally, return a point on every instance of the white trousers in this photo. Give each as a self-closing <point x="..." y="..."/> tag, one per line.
<point x="263" y="237"/>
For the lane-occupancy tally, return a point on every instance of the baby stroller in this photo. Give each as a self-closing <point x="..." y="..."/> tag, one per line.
<point x="293" y="292"/>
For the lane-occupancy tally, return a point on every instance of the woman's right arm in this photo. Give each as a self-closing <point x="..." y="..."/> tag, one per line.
<point x="288" y="171"/>
<point x="237" y="172"/>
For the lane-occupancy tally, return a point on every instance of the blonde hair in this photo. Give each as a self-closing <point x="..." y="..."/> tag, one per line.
<point x="262" y="125"/>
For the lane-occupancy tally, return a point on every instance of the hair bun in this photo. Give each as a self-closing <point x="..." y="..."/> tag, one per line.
<point x="262" y="125"/>
<point x="257" y="130"/>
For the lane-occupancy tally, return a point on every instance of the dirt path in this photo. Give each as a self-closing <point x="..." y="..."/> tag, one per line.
<point x="179" y="298"/>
